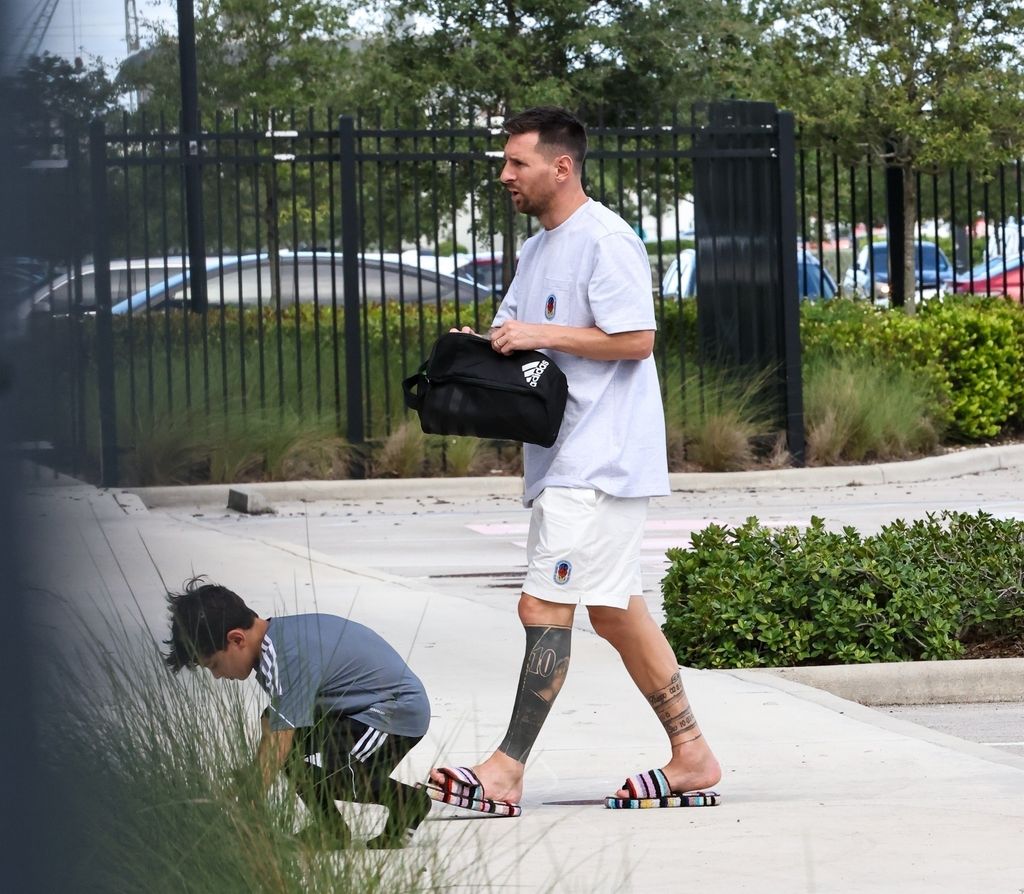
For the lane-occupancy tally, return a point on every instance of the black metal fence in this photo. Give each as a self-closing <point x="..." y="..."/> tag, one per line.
<point x="975" y="218"/>
<point x="336" y="253"/>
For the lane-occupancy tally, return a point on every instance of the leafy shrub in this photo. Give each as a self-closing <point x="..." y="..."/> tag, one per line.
<point x="969" y="350"/>
<point x="758" y="597"/>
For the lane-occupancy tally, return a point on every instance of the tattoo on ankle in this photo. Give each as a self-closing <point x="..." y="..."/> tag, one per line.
<point x="540" y="680"/>
<point x="681" y="723"/>
<point x="673" y="690"/>
<point x="673" y="708"/>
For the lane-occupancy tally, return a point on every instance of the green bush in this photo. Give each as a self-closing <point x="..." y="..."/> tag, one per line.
<point x="758" y="597"/>
<point x="969" y="350"/>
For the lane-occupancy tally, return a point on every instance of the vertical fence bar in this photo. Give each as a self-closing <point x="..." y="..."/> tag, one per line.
<point x="104" y="328"/>
<point x="350" y="279"/>
<point x="952" y="225"/>
<point x="332" y="217"/>
<point x="243" y="395"/>
<point x="314" y="244"/>
<point x="871" y="230"/>
<point x="294" y="189"/>
<point x="971" y="229"/>
<point x="147" y="253"/>
<point x="790" y="299"/>
<point x="222" y="322"/>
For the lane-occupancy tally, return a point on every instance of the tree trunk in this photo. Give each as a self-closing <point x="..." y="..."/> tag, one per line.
<point x="909" y="245"/>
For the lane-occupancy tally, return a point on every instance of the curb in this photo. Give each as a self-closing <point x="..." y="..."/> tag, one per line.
<point x="909" y="682"/>
<point x="950" y="465"/>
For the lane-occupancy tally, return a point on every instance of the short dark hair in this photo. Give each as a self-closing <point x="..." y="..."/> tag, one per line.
<point x="554" y="126"/>
<point x="201" y="617"/>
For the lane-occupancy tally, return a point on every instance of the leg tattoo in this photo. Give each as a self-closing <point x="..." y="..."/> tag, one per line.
<point x="544" y="669"/>
<point x="673" y="709"/>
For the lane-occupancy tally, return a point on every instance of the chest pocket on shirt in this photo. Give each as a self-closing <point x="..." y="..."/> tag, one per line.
<point x="556" y="300"/>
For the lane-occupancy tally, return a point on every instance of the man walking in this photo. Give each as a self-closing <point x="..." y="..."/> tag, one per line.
<point x="582" y="293"/>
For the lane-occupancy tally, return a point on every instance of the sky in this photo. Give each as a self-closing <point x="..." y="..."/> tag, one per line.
<point x="89" y="28"/>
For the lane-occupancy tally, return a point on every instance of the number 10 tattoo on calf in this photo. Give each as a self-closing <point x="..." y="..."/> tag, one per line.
<point x="673" y="709"/>
<point x="544" y="669"/>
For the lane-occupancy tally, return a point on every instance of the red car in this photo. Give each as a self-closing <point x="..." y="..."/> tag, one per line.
<point x="1001" y="276"/>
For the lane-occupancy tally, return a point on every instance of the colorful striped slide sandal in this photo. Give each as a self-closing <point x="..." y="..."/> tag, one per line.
<point x="651" y="789"/>
<point x="462" y="788"/>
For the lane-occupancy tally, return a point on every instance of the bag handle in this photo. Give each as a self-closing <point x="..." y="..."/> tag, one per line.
<point x="414" y="392"/>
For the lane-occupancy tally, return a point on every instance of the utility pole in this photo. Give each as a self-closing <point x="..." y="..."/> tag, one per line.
<point x="190" y="155"/>
<point x="131" y="26"/>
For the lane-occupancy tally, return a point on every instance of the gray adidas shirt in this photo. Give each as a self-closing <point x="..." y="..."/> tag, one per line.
<point x="323" y="662"/>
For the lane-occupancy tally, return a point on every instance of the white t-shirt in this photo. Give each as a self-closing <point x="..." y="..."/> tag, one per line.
<point x="593" y="270"/>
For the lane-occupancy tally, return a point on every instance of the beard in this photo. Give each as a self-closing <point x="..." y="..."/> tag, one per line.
<point x="530" y="205"/>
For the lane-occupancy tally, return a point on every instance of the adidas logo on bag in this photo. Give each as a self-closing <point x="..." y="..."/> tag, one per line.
<point x="533" y="371"/>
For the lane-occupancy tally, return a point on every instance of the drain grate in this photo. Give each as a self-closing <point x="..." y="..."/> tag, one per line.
<point x="484" y="575"/>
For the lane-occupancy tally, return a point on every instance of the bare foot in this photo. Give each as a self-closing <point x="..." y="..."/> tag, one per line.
<point x="688" y="776"/>
<point x="500" y="775"/>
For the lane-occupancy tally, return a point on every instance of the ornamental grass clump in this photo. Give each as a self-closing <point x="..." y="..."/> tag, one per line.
<point x="857" y="408"/>
<point x="146" y="764"/>
<point x="760" y="597"/>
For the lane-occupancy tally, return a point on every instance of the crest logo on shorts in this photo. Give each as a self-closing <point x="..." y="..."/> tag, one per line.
<point x="549" y="307"/>
<point x="562" y="571"/>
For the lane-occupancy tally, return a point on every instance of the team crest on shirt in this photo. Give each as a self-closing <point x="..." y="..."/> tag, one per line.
<point x="549" y="307"/>
<point x="562" y="571"/>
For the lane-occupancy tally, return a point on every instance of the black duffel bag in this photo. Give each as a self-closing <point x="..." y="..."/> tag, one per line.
<point x="467" y="388"/>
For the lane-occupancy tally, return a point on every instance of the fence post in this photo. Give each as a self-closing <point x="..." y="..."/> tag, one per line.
<point x="104" y="328"/>
<point x="793" y="369"/>
<point x="350" y="281"/>
<point x="748" y="306"/>
<point x="190" y="156"/>
<point x="894" y="225"/>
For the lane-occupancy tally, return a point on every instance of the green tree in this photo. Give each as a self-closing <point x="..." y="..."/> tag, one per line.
<point x="919" y="84"/>
<point x="268" y="57"/>
<point x="502" y="56"/>
<point x="49" y="90"/>
<point x="250" y="54"/>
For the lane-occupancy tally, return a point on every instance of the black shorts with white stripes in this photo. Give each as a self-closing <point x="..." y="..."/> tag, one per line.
<point x="354" y="759"/>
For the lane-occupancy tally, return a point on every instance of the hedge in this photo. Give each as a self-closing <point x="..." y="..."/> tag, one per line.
<point x="971" y="350"/>
<point x="760" y="597"/>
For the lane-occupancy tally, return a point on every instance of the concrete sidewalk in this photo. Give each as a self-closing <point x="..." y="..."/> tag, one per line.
<point x="820" y="794"/>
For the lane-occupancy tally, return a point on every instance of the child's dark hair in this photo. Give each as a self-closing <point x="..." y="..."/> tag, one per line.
<point x="201" y="617"/>
<point x="555" y="127"/>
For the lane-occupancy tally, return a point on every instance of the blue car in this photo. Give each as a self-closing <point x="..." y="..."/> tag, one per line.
<point x="869" y="275"/>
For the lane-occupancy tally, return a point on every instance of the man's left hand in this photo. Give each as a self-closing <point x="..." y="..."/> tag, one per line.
<point x="512" y="335"/>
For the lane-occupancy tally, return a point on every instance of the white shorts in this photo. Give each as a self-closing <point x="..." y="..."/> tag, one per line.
<point x="584" y="547"/>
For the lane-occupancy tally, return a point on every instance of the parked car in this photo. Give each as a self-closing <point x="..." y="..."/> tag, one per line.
<point x="813" y="281"/>
<point x="1000" y="276"/>
<point x="20" y="277"/>
<point x="127" y="276"/>
<point x="312" y="276"/>
<point x="869" y="275"/>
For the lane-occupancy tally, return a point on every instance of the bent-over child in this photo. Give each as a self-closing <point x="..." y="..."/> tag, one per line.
<point x="337" y="690"/>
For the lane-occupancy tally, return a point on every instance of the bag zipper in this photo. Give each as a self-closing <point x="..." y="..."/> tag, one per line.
<point x="470" y="380"/>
